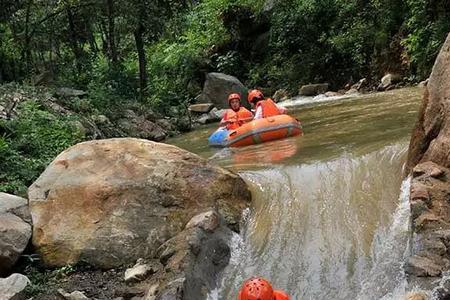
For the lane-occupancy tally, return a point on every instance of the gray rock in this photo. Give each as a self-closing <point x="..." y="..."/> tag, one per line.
<point x="360" y="85"/>
<point x="313" y="89"/>
<point x="218" y="86"/>
<point x="12" y="288"/>
<point x="166" y="124"/>
<point x="68" y="92"/>
<point x="141" y="270"/>
<point x="351" y="92"/>
<point x="138" y="126"/>
<point x="388" y="80"/>
<point x="76" y="295"/>
<point x="332" y="94"/>
<point x="215" y="115"/>
<point x="203" y="119"/>
<point x="15" y="228"/>
<point x="201" y="108"/>
<point x="152" y="292"/>
<point x="208" y="221"/>
<point x="281" y="95"/>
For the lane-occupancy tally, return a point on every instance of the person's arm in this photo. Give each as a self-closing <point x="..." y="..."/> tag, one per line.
<point x="258" y="113"/>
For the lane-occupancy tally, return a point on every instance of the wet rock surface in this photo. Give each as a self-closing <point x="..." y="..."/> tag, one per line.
<point x="428" y="163"/>
<point x="217" y="88"/>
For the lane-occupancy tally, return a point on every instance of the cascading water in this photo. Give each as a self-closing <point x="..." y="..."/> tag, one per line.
<point x="321" y="231"/>
<point x="330" y="214"/>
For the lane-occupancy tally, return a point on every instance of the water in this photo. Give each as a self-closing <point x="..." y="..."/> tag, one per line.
<point x="330" y="216"/>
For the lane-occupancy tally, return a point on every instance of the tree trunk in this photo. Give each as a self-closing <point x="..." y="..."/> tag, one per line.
<point x="26" y="54"/>
<point x="111" y="31"/>
<point x="138" y="33"/>
<point x="73" y="39"/>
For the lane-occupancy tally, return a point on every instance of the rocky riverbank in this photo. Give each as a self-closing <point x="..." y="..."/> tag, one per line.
<point x="151" y="222"/>
<point x="428" y="163"/>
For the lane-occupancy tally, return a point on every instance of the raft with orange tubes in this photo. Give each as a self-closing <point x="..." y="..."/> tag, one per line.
<point x="257" y="132"/>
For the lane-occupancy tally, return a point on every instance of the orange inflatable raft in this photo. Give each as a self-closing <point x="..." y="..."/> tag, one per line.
<point x="257" y="131"/>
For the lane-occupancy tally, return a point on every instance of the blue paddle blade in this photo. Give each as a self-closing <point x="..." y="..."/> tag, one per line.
<point x="218" y="138"/>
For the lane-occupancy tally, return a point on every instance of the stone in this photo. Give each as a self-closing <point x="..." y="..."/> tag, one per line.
<point x="419" y="192"/>
<point x="281" y="95"/>
<point x="208" y="221"/>
<point x="69" y="92"/>
<point x="217" y="88"/>
<point x="166" y="124"/>
<point x="418" y="207"/>
<point x="428" y="168"/>
<point x="15" y="227"/>
<point x="389" y="80"/>
<point x="152" y="292"/>
<point x="203" y="119"/>
<point x="110" y="202"/>
<point x="141" y="270"/>
<point x="360" y="85"/>
<point x="332" y="94"/>
<point x="313" y="89"/>
<point x="138" y="126"/>
<point x="76" y="295"/>
<point x="215" y="115"/>
<point x="351" y="92"/>
<point x="201" y="108"/>
<point x="12" y="288"/>
<point x="423" y="267"/>
<point x="424" y="83"/>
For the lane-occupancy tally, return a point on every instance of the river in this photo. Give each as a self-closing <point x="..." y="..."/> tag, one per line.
<point x="330" y="214"/>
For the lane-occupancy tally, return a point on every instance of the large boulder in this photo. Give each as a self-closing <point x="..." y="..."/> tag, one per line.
<point x="110" y="202"/>
<point x="218" y="86"/>
<point x="430" y="140"/>
<point x="428" y="163"/>
<point x="15" y="230"/>
<point x="313" y="89"/>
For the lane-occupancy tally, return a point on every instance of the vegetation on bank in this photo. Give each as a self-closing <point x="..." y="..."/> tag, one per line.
<point x="156" y="54"/>
<point x="31" y="139"/>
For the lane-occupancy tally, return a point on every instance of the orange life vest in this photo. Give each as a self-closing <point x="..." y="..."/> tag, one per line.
<point x="269" y="108"/>
<point x="242" y="116"/>
<point x="279" y="295"/>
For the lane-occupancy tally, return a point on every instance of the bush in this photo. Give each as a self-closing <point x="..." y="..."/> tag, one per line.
<point x="29" y="143"/>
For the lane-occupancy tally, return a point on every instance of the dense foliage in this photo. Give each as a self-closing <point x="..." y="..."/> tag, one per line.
<point x="30" y="141"/>
<point x="159" y="51"/>
<point x="156" y="53"/>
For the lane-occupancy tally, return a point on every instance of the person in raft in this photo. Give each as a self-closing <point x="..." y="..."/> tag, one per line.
<point x="264" y="107"/>
<point x="236" y="115"/>
<point x="260" y="289"/>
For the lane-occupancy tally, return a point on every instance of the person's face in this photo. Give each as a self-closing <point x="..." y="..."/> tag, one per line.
<point x="235" y="104"/>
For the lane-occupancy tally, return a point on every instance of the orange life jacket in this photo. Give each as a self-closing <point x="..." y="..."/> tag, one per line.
<point x="269" y="108"/>
<point x="280" y="295"/>
<point x="242" y="116"/>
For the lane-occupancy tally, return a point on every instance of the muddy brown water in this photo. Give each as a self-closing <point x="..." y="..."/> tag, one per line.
<point x="330" y="218"/>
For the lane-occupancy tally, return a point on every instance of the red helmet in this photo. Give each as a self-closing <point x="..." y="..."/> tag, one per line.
<point x="256" y="289"/>
<point x="255" y="95"/>
<point x="234" y="96"/>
